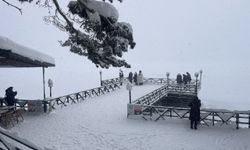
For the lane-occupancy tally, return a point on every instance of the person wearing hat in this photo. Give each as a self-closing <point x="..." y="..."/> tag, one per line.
<point x="10" y="96"/>
<point x="194" y="116"/>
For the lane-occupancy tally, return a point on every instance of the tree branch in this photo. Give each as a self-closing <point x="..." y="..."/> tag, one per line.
<point x="9" y="4"/>
<point x="63" y="15"/>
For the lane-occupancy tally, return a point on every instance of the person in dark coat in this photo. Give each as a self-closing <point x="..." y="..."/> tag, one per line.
<point x="194" y="116"/>
<point x="130" y="77"/>
<point x="121" y="76"/>
<point x="185" y="79"/>
<point x="135" y="78"/>
<point x="10" y="96"/>
<point x="179" y="78"/>
<point x="189" y="78"/>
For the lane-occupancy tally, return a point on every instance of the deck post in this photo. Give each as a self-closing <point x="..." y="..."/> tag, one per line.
<point x="248" y="120"/>
<point x="44" y="95"/>
<point x="196" y="83"/>
<point x="213" y="118"/>
<point x="237" y="121"/>
<point x="101" y="78"/>
<point x="129" y="96"/>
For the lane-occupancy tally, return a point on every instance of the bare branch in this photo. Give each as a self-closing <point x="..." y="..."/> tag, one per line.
<point x="62" y="14"/>
<point x="9" y="4"/>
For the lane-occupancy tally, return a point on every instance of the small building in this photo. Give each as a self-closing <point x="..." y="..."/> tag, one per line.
<point x="13" y="54"/>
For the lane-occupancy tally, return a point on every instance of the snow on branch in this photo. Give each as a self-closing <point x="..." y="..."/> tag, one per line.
<point x="94" y="30"/>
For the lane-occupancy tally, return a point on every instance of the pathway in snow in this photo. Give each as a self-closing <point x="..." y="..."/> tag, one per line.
<point x="100" y="123"/>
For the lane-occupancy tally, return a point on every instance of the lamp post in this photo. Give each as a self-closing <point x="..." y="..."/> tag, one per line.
<point x="44" y="94"/>
<point x="167" y="74"/>
<point x="50" y="84"/>
<point x="100" y="77"/>
<point x="129" y="88"/>
<point x="200" y="77"/>
<point x="196" y="82"/>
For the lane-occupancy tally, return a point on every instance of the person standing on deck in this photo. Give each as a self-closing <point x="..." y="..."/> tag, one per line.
<point x="194" y="115"/>
<point x="179" y="78"/>
<point x="189" y="78"/>
<point x="130" y="77"/>
<point x="135" y="78"/>
<point x="140" y="78"/>
<point x="121" y="76"/>
<point x="185" y="79"/>
<point x="10" y="96"/>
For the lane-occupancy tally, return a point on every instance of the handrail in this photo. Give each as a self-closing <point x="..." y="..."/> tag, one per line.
<point x="170" y="86"/>
<point x="78" y="96"/>
<point x="213" y="116"/>
<point x="21" y="141"/>
<point x="110" y="81"/>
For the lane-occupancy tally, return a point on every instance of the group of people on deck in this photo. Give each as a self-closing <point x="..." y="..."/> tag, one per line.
<point x="135" y="78"/>
<point x="185" y="78"/>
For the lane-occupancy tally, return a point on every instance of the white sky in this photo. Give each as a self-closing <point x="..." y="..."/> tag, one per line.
<point x="171" y="35"/>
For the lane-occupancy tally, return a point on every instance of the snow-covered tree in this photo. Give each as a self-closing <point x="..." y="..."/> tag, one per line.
<point x="93" y="27"/>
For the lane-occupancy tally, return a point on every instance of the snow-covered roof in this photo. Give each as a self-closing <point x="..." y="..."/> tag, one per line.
<point x="13" y="54"/>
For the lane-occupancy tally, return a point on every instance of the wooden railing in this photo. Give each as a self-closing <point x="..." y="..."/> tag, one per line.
<point x="208" y="116"/>
<point x="171" y="82"/>
<point x="79" y="96"/>
<point x="152" y="97"/>
<point x="110" y="81"/>
<point x="151" y="80"/>
<point x="169" y="86"/>
<point x="12" y="142"/>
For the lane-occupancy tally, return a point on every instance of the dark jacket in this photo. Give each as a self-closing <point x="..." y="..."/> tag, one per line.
<point x="179" y="79"/>
<point x="121" y="75"/>
<point x="189" y="78"/>
<point x="135" y="78"/>
<point x="130" y="77"/>
<point x="185" y="79"/>
<point x="195" y="110"/>
<point x="10" y="96"/>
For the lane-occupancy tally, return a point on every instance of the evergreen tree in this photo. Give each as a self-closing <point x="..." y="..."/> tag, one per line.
<point x="93" y="28"/>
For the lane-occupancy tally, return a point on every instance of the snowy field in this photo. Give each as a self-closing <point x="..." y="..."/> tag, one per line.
<point x="100" y="123"/>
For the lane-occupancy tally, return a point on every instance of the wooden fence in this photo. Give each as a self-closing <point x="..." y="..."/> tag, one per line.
<point x="115" y="83"/>
<point x="144" y="106"/>
<point x="51" y="103"/>
<point x="153" y="81"/>
<point x="80" y="96"/>
<point x="209" y="117"/>
<point x="111" y="81"/>
<point x="169" y="87"/>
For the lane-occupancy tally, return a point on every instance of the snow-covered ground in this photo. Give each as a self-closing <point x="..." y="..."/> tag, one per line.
<point x="173" y="37"/>
<point x="100" y="123"/>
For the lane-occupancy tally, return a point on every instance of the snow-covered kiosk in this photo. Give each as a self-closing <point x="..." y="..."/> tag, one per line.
<point x="13" y="54"/>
